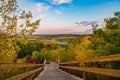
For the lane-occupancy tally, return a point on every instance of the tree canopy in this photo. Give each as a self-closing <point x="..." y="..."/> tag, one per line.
<point x="14" y="23"/>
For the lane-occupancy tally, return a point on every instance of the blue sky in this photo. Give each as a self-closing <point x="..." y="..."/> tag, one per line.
<point x="62" y="16"/>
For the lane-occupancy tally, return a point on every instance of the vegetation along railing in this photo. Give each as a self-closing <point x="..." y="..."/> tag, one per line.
<point x="28" y="71"/>
<point x="94" y="66"/>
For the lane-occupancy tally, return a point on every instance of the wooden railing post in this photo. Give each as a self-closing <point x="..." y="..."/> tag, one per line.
<point x="44" y="62"/>
<point x="84" y="73"/>
<point x="70" y="71"/>
<point x="3" y="75"/>
<point x="58" y="61"/>
<point x="25" y="69"/>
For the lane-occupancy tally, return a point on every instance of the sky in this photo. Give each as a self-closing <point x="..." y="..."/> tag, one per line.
<point x="69" y="16"/>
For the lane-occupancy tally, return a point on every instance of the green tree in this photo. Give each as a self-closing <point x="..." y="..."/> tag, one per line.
<point x="107" y="41"/>
<point x="27" y="49"/>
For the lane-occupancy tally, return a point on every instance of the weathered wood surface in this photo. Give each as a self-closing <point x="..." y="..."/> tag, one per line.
<point x="5" y="66"/>
<point x="52" y="72"/>
<point x="109" y="72"/>
<point x="23" y="75"/>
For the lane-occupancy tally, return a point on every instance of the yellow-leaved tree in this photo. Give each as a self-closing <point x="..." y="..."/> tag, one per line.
<point x="13" y="23"/>
<point x="83" y="50"/>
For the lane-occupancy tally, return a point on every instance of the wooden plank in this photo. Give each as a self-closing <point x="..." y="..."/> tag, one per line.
<point x="98" y="59"/>
<point x="109" y="72"/>
<point x="5" y="66"/>
<point x="71" y="62"/>
<point x="53" y="73"/>
<point x="23" y="75"/>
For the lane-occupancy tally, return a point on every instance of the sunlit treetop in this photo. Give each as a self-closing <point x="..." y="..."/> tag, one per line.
<point x="14" y="21"/>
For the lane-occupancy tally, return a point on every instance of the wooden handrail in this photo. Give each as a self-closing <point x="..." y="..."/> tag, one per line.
<point x="109" y="72"/>
<point x="23" y="75"/>
<point x="5" y="66"/>
<point x="98" y="59"/>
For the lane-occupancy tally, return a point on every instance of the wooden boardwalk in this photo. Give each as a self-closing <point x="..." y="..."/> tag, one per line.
<point x="52" y="72"/>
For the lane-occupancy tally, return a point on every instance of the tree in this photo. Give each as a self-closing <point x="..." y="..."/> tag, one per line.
<point x="107" y="41"/>
<point x="103" y="42"/>
<point x="83" y="49"/>
<point x="13" y="22"/>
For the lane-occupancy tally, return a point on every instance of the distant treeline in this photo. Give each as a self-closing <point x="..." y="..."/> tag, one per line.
<point x="49" y="36"/>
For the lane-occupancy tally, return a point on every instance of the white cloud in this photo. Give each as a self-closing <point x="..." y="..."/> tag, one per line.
<point x="41" y="7"/>
<point x="90" y="23"/>
<point x="60" y="1"/>
<point x="58" y="12"/>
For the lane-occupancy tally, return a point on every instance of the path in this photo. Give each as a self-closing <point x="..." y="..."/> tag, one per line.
<point x="52" y="72"/>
